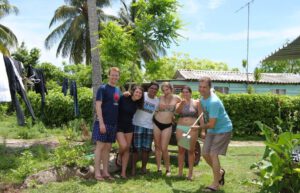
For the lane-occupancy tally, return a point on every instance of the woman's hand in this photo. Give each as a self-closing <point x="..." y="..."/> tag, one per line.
<point x="203" y="134"/>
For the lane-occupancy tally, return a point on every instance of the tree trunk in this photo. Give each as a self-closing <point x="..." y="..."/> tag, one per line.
<point x="95" y="52"/>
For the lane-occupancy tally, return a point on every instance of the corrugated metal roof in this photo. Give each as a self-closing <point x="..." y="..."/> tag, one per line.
<point x="228" y="76"/>
<point x="289" y="51"/>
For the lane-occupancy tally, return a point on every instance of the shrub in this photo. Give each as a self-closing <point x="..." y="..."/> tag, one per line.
<point x="245" y="109"/>
<point x="25" y="165"/>
<point x="70" y="154"/>
<point x="278" y="172"/>
<point x="59" y="109"/>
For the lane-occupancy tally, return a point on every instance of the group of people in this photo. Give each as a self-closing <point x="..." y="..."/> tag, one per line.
<point x="135" y="118"/>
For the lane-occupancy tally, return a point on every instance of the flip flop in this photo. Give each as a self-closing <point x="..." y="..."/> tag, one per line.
<point x="108" y="177"/>
<point x="222" y="180"/>
<point x="99" y="178"/>
<point x="189" y="178"/>
<point x="209" y="189"/>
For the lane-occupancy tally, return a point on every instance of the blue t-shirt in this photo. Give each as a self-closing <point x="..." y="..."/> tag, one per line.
<point x="109" y="96"/>
<point x="214" y="108"/>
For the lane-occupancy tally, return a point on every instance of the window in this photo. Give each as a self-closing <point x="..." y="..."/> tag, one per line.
<point x="279" y="91"/>
<point x="220" y="89"/>
<point x="178" y="89"/>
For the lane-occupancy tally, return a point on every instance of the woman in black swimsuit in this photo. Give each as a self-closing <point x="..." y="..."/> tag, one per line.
<point x="127" y="108"/>
<point x="163" y="125"/>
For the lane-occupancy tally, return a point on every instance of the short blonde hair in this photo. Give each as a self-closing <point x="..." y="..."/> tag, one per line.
<point x="116" y="69"/>
<point x="166" y="84"/>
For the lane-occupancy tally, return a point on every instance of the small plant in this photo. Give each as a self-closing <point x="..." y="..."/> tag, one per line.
<point x="70" y="154"/>
<point x="278" y="172"/>
<point x="25" y="164"/>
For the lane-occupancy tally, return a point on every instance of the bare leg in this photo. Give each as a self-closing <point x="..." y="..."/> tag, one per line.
<point x="98" y="158"/>
<point x="194" y="137"/>
<point x="125" y="157"/>
<point x="157" y="142"/>
<point x="122" y="145"/>
<point x="135" y="157"/>
<point x="165" y="139"/>
<point x="216" y="169"/>
<point x="105" y="158"/>
<point x="208" y="159"/>
<point x="181" y="152"/>
<point x="145" y="157"/>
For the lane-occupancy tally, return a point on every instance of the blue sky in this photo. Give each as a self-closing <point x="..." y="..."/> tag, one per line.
<point x="213" y="30"/>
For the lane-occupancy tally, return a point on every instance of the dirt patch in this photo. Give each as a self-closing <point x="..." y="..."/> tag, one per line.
<point x="246" y="143"/>
<point x="25" y="143"/>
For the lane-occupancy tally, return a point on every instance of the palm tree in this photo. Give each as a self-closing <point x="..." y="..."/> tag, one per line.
<point x="95" y="55"/>
<point x="149" y="50"/>
<point x="7" y="37"/>
<point x="74" y="31"/>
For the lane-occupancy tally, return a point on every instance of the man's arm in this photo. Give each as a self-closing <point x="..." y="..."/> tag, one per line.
<point x="210" y="125"/>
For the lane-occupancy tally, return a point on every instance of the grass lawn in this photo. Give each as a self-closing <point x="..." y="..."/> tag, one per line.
<point x="236" y="164"/>
<point x="10" y="129"/>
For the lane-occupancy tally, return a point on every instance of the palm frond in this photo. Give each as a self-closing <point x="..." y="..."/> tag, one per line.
<point x="63" y="13"/>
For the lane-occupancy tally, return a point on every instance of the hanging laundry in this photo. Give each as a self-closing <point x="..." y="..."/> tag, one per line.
<point x="4" y="84"/>
<point x="73" y="92"/>
<point x="16" y="86"/>
<point x="37" y="76"/>
<point x="65" y="86"/>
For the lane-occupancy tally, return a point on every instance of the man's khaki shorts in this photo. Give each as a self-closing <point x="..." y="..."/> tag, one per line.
<point x="216" y="143"/>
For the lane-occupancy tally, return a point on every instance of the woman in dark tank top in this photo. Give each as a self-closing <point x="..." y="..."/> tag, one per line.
<point x="188" y="110"/>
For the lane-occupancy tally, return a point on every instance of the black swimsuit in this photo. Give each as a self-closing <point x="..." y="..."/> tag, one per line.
<point x="160" y="125"/>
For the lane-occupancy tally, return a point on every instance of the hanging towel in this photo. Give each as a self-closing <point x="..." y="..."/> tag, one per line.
<point x="73" y="92"/>
<point x="4" y="84"/>
<point x="64" y="88"/>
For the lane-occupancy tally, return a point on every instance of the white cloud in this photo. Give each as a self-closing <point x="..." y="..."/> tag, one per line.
<point x="110" y="11"/>
<point x="214" y="4"/>
<point x="189" y="7"/>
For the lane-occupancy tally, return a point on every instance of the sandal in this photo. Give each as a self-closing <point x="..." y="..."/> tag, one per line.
<point x="189" y="178"/>
<point x="168" y="173"/>
<point x="108" y="177"/>
<point x="99" y="178"/>
<point x="159" y="171"/>
<point x="222" y="180"/>
<point x="209" y="189"/>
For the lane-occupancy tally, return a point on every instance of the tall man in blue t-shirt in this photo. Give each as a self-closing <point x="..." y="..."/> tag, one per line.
<point x="218" y="126"/>
<point x="105" y="127"/>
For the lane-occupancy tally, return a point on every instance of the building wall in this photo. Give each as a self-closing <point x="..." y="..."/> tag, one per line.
<point x="242" y="87"/>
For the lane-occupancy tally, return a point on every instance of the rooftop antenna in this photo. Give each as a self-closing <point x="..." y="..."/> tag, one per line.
<point x="248" y="6"/>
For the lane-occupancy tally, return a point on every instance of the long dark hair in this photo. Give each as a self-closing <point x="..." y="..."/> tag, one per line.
<point x="139" y="102"/>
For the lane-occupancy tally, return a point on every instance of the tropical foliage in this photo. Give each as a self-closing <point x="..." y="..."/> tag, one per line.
<point x="281" y="66"/>
<point x="278" y="172"/>
<point x="165" y="67"/>
<point x="27" y="57"/>
<point x="7" y="38"/>
<point x="73" y="32"/>
<point x="154" y="25"/>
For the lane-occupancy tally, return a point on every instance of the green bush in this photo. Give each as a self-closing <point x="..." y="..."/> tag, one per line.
<point x="59" y="109"/>
<point x="245" y="109"/>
